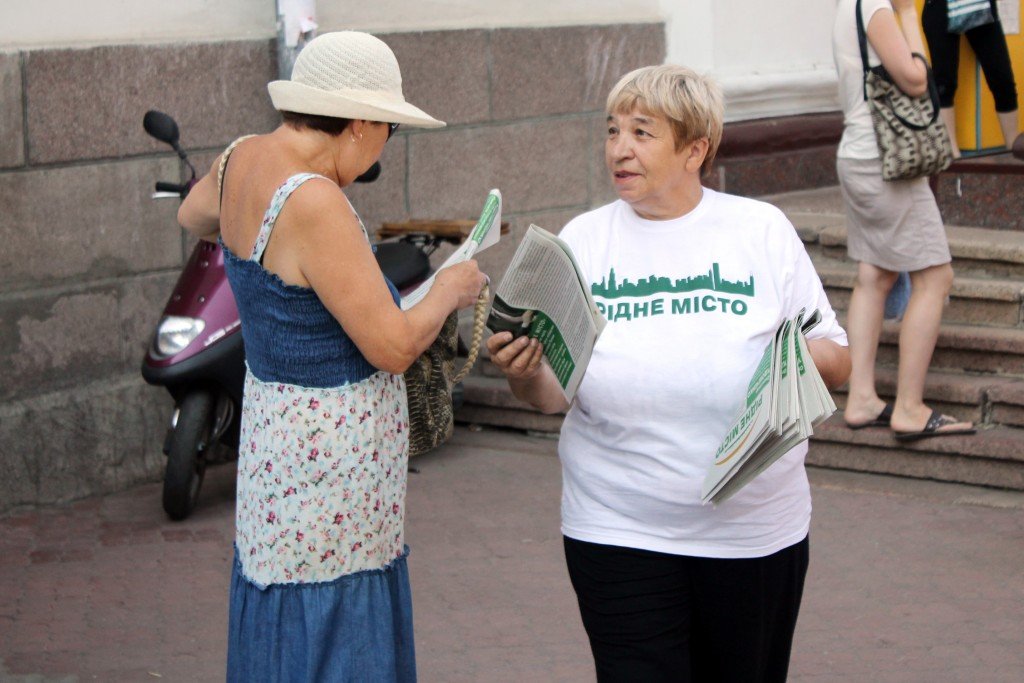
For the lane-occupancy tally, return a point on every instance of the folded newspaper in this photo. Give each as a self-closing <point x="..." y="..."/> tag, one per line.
<point x="543" y="294"/>
<point x="781" y="410"/>
<point x="486" y="232"/>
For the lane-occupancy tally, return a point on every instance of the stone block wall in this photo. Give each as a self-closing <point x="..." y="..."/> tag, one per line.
<point x="88" y="259"/>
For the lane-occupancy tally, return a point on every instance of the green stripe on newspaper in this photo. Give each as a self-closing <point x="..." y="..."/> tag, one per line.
<point x="761" y="376"/>
<point x="785" y="355"/>
<point x="800" y="359"/>
<point x="555" y="349"/>
<point x="486" y="218"/>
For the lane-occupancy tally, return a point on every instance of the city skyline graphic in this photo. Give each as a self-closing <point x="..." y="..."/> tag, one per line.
<point x="610" y="288"/>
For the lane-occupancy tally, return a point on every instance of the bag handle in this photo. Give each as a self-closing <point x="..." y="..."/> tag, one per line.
<point x="479" y="318"/>
<point x="933" y="95"/>
<point x="225" y="155"/>
<point x="933" y="90"/>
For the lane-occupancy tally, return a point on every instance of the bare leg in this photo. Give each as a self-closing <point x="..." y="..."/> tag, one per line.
<point x="949" y="118"/>
<point x="1010" y="125"/>
<point x="863" y="327"/>
<point x="918" y="333"/>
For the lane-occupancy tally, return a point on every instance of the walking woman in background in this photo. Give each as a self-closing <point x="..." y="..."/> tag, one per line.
<point x="320" y="588"/>
<point x="892" y="226"/>
<point x="989" y="45"/>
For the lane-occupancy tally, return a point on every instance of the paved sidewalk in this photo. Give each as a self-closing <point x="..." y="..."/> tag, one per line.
<point x="909" y="581"/>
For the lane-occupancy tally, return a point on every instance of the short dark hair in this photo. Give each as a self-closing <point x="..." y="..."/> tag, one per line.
<point x="325" y="124"/>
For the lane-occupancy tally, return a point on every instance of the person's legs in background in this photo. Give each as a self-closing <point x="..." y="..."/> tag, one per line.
<point x="918" y="334"/>
<point x="989" y="45"/>
<point x="863" y="328"/>
<point x="944" y="50"/>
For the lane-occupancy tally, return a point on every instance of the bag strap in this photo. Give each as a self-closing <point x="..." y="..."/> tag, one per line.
<point x="479" y="318"/>
<point x="862" y="39"/>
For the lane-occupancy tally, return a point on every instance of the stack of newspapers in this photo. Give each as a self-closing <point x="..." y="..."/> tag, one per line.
<point x="786" y="399"/>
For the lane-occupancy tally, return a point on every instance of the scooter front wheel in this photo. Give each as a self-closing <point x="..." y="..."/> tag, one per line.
<point x="186" y="457"/>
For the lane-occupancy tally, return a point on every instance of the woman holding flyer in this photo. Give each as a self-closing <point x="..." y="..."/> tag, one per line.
<point x="320" y="586"/>
<point x="694" y="284"/>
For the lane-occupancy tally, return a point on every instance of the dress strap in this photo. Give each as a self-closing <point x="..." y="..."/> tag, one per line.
<point x="274" y="210"/>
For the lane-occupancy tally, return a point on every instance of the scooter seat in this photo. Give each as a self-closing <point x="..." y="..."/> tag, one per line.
<point x="403" y="263"/>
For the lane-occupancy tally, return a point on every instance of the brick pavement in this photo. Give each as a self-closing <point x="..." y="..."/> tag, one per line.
<point x="909" y="581"/>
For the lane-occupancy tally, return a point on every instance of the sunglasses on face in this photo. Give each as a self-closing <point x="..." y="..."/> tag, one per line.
<point x="392" y="127"/>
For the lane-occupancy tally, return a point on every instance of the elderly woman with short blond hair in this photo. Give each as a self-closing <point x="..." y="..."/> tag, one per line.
<point x="670" y="589"/>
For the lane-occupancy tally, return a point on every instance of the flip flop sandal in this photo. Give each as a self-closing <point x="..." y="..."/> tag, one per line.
<point x="882" y="420"/>
<point x="934" y="428"/>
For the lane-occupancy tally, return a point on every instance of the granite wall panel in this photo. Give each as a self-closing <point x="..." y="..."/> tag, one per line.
<point x="55" y="340"/>
<point x="86" y="222"/>
<point x="384" y="199"/>
<point x="602" y="191"/>
<point x="558" y="70"/>
<point x="983" y="200"/>
<point x="12" y="138"/>
<point x="445" y="73"/>
<point x="89" y="103"/>
<point x="771" y="174"/>
<point x="537" y="165"/>
<point x="140" y="304"/>
<point x="84" y="441"/>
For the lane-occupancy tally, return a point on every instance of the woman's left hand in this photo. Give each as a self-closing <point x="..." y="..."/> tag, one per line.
<point x="517" y="358"/>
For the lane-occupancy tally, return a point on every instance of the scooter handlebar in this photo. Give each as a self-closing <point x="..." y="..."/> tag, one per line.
<point x="179" y="189"/>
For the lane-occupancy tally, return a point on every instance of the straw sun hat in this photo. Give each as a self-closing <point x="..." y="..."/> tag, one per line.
<point x="348" y="75"/>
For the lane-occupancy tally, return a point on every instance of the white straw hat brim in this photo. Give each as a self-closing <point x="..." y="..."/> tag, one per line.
<point x="348" y="104"/>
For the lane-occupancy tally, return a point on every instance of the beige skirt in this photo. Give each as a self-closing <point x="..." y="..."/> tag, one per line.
<point x="894" y="225"/>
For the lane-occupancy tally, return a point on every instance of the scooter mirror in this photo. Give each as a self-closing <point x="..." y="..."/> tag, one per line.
<point x="371" y="174"/>
<point x="161" y="126"/>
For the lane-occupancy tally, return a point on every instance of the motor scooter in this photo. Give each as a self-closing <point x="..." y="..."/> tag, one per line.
<point x="197" y="353"/>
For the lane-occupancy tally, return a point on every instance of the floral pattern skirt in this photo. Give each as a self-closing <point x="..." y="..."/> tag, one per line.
<point x="319" y="524"/>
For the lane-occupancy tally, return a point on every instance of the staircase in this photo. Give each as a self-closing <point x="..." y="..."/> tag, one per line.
<point x="977" y="371"/>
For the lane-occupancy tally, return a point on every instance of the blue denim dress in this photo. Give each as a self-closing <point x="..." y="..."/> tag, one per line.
<point x="320" y="588"/>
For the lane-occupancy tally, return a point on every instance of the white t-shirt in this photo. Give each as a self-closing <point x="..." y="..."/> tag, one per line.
<point x="858" y="141"/>
<point x="691" y="303"/>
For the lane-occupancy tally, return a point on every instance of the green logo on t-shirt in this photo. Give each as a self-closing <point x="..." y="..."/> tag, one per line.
<point x="611" y="288"/>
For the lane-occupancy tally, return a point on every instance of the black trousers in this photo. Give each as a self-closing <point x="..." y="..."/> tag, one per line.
<point x="655" y="617"/>
<point x="989" y="46"/>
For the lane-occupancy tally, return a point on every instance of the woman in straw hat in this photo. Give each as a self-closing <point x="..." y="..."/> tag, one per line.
<point x="694" y="284"/>
<point x="320" y="588"/>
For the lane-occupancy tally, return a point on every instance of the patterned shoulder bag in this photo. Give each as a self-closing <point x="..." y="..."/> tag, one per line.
<point x="429" y="381"/>
<point x="912" y="140"/>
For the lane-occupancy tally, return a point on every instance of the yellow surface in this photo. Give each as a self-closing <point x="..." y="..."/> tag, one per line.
<point x="974" y="104"/>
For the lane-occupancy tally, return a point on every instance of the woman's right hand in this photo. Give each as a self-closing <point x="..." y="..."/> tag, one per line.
<point x="464" y="281"/>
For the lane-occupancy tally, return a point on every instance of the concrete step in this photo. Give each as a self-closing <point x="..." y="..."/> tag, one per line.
<point x="1007" y="404"/>
<point x="964" y="348"/>
<point x="966" y="397"/>
<point x="992" y="457"/>
<point x="973" y="301"/>
<point x="978" y="252"/>
<point x="489" y="401"/>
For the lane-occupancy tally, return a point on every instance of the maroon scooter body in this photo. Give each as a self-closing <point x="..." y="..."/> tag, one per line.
<point x="202" y="292"/>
